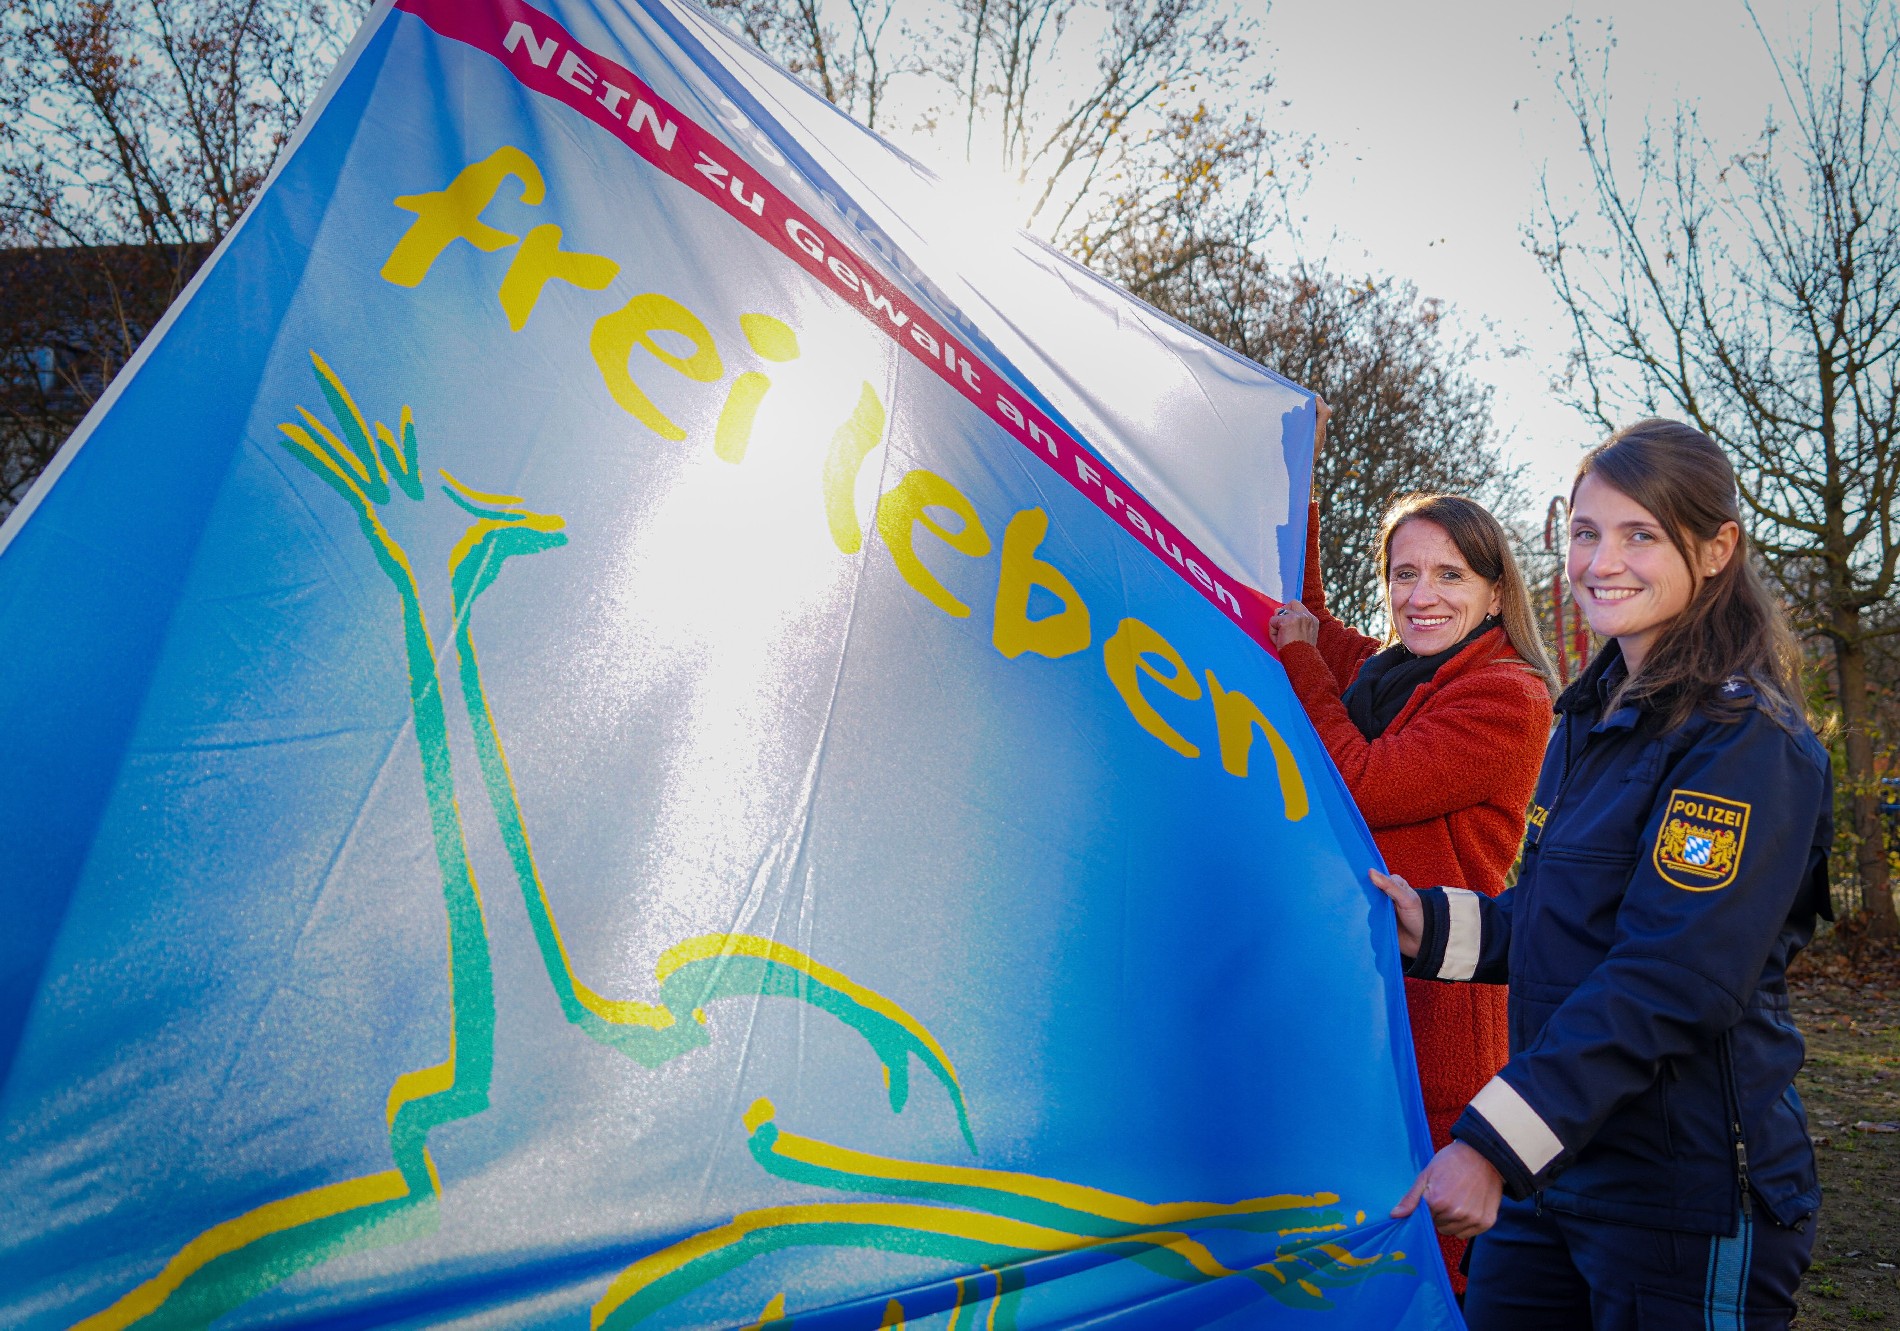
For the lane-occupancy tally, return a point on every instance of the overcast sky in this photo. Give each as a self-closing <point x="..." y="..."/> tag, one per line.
<point x="1436" y="121"/>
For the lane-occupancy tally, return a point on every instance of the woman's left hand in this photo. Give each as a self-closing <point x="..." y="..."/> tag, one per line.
<point x="1293" y="622"/>
<point x="1462" y="1190"/>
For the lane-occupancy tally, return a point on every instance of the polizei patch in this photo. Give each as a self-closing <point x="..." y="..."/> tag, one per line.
<point x="1699" y="846"/>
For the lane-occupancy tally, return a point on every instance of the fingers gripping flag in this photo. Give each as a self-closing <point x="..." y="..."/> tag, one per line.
<point x="619" y="724"/>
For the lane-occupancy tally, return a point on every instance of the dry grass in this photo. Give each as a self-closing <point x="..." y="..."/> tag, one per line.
<point x="1847" y="1003"/>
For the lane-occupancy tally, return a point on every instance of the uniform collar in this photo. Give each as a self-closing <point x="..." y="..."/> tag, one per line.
<point x="1583" y="695"/>
<point x="1589" y="695"/>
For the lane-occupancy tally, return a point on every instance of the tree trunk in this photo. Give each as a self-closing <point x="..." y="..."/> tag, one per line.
<point x="1876" y="888"/>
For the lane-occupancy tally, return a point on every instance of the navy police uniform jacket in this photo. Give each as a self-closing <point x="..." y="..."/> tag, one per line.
<point x="1667" y="880"/>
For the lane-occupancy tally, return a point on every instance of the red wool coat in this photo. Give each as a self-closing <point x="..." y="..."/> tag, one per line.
<point x="1444" y="790"/>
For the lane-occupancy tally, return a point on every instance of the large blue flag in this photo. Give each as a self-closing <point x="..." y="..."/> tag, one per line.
<point x="620" y="724"/>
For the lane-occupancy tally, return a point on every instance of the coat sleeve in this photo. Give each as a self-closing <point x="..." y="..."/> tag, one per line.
<point x="1342" y="648"/>
<point x="1467" y="936"/>
<point x="1723" y="862"/>
<point x="1474" y="736"/>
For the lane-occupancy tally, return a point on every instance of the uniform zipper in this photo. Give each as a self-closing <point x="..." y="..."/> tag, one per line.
<point x="1563" y="776"/>
<point x="1735" y="1121"/>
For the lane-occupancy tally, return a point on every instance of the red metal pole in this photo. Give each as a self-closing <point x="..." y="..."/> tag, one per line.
<point x="1556" y="521"/>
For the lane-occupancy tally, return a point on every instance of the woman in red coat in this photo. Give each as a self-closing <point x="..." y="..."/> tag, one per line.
<point x="1439" y="731"/>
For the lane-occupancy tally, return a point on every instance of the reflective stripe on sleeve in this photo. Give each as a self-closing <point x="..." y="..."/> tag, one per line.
<point x="1464" y="934"/>
<point x="1512" y="1118"/>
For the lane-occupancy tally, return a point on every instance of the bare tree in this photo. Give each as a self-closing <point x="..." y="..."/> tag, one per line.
<point x="1082" y="105"/>
<point x="133" y="133"/>
<point x="1408" y="414"/>
<point x="71" y="318"/>
<point x="151" y="121"/>
<point x="852" y="71"/>
<point x="1757" y="294"/>
<point x="1077" y="103"/>
<point x="1200" y="200"/>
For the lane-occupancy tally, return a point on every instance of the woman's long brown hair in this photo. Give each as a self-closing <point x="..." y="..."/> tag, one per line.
<point x="1482" y="541"/>
<point x="1732" y="625"/>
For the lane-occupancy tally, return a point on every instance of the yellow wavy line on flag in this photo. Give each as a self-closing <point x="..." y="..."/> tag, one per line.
<point x="1344" y="1258"/>
<point x="223" y="1239"/>
<point x="286" y="1213"/>
<point x="1073" y="1196"/>
<point x="481" y="496"/>
<point x="709" y="946"/>
<point x="978" y="1228"/>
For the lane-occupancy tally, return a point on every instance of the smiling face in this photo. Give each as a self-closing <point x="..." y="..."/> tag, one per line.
<point x="1626" y="575"/>
<point x="1436" y="597"/>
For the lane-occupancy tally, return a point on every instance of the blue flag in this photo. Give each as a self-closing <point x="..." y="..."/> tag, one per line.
<point x="621" y="722"/>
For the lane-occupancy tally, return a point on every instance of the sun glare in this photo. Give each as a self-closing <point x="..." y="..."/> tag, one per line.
<point x="735" y="592"/>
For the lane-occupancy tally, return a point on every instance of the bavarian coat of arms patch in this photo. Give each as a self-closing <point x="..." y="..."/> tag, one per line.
<point x="1699" y="845"/>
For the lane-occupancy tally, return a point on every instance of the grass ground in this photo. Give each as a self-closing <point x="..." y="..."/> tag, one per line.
<point x="1848" y="1007"/>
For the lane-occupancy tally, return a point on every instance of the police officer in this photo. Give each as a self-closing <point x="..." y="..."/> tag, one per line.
<point x="1642" y="1160"/>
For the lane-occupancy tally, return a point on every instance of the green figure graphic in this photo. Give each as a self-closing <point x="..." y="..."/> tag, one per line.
<point x="992" y="1220"/>
<point x="696" y="972"/>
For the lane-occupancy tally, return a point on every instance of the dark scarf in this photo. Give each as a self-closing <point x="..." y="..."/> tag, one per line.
<point x="1386" y="681"/>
